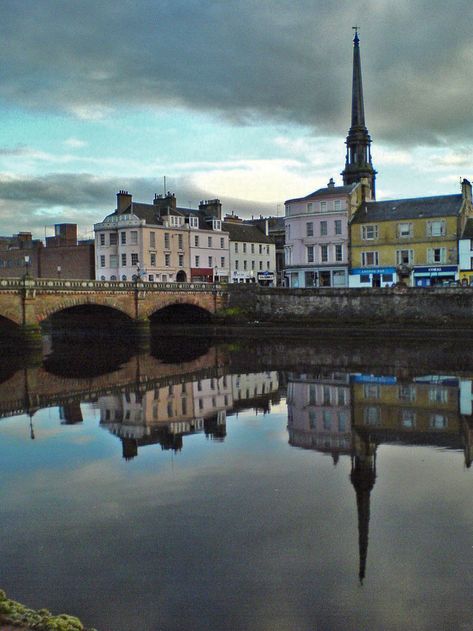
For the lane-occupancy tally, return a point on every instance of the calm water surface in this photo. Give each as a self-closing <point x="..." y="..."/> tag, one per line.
<point x="246" y="484"/>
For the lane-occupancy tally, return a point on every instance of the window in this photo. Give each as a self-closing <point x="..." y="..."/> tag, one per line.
<point x="436" y="255"/>
<point x="338" y="226"/>
<point x="113" y="260"/>
<point x="312" y="419"/>
<point x="167" y="240"/>
<point x="123" y="260"/>
<point x="151" y="278"/>
<point x="245" y="264"/>
<point x="152" y="259"/>
<point x="369" y="233"/>
<point x="323" y="228"/>
<point x="438" y="394"/>
<point x="134" y="237"/>
<point x="222" y="261"/>
<point x="209" y="242"/>
<point x="404" y="257"/>
<point x="210" y="261"/>
<point x="236" y="247"/>
<point x="167" y="260"/>
<point x="408" y="419"/>
<point x="338" y="204"/>
<point x="102" y="261"/>
<point x="341" y="396"/>
<point x="436" y="228"/>
<point x="324" y="253"/>
<point x="310" y="254"/>
<point x="196" y="241"/>
<point x="371" y="415"/>
<point x="365" y="278"/>
<point x="252" y="248"/>
<point x="342" y="421"/>
<point x="309" y="207"/>
<point x="222" y="242"/>
<point x="404" y="230"/>
<point x="371" y="391"/>
<point x="102" y="238"/>
<point x="197" y="261"/>
<point x="252" y="265"/>
<point x="236" y="264"/>
<point x="124" y="277"/>
<point x="338" y="252"/>
<point x="260" y="249"/>
<point x="327" y="420"/>
<point x="194" y="222"/>
<point x="369" y="258"/>
<point x="180" y="241"/>
<point x="181" y="260"/>
<point x="438" y="421"/>
<point x="387" y="278"/>
<point x="113" y="238"/>
<point x="407" y="392"/>
<point x="134" y="258"/>
<point x="244" y="248"/>
<point x="323" y="207"/>
<point x="217" y="224"/>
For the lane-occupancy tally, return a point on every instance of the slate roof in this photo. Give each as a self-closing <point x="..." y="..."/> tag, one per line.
<point x="468" y="230"/>
<point x="154" y="216"/>
<point x="322" y="192"/>
<point x="245" y="232"/>
<point x="392" y="209"/>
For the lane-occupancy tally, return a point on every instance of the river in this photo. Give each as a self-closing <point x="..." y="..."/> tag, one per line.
<point x="255" y="482"/>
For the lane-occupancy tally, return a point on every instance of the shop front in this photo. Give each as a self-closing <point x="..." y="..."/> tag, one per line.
<point x="434" y="275"/>
<point x="372" y="276"/>
<point x="266" y="278"/>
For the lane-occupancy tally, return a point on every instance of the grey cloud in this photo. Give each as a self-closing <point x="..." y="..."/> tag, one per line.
<point x="248" y="61"/>
<point x="30" y="203"/>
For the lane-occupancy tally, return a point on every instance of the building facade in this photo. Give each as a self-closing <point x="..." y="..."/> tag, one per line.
<point x="252" y="253"/>
<point x="414" y="241"/>
<point x="316" y="243"/>
<point x="161" y="242"/>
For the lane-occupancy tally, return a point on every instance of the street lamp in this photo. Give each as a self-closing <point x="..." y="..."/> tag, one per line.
<point x="215" y="274"/>
<point x="27" y="263"/>
<point x="59" y="271"/>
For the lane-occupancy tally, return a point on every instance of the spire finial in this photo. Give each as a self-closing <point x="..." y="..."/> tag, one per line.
<point x="356" y="39"/>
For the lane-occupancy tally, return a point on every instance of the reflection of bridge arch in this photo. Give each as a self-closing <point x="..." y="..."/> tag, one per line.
<point x="179" y="310"/>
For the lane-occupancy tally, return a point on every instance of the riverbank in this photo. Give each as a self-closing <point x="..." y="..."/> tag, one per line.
<point x="15" y="616"/>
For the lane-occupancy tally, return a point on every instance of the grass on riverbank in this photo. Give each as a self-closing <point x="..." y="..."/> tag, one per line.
<point x="15" y="614"/>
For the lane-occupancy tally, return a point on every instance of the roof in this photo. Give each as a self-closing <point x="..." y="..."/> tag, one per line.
<point x="468" y="231"/>
<point x="245" y="232"/>
<point x="414" y="208"/>
<point x="323" y="192"/>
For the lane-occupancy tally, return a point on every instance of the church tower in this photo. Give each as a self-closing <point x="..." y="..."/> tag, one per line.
<point x="358" y="158"/>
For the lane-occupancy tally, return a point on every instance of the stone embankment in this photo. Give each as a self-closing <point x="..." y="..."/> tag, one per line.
<point x="423" y="307"/>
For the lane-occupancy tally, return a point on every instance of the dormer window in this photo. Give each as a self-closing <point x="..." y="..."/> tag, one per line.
<point x="175" y="220"/>
<point x="216" y="224"/>
<point x="193" y="222"/>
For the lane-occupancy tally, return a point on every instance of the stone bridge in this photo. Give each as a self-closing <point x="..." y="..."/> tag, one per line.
<point x="28" y="301"/>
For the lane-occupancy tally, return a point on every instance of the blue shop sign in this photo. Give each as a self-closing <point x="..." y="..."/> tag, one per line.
<point x="359" y="378"/>
<point x="435" y="269"/>
<point x="372" y="270"/>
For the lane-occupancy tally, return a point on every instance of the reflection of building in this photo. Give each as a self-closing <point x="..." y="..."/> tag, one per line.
<point x="166" y="414"/>
<point x="318" y="411"/>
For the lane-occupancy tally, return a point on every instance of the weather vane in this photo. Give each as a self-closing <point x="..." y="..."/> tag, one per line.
<point x="356" y="29"/>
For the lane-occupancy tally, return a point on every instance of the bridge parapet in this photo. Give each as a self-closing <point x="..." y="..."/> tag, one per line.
<point x="57" y="284"/>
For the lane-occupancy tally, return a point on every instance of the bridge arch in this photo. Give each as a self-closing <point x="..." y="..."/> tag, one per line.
<point x="68" y="304"/>
<point x="180" y="311"/>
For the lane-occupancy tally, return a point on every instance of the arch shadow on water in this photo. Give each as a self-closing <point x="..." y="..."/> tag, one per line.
<point x="87" y="341"/>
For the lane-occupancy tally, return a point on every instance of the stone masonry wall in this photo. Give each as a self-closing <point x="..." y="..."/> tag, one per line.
<point x="452" y="306"/>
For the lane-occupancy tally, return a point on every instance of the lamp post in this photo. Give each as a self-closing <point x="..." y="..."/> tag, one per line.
<point x="215" y="274"/>
<point x="59" y="271"/>
<point x="27" y="264"/>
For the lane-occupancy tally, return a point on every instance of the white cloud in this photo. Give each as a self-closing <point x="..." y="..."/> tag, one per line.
<point x="75" y="143"/>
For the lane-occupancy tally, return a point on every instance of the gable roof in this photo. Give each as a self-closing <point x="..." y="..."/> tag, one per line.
<point x="245" y="232"/>
<point x="323" y="192"/>
<point x="413" y="208"/>
<point x="468" y="230"/>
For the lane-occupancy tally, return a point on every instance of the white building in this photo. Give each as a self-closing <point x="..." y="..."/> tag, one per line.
<point x="252" y="253"/>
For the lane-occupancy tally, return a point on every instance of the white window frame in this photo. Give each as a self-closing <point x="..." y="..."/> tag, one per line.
<point x="370" y="232"/>
<point x="374" y="254"/>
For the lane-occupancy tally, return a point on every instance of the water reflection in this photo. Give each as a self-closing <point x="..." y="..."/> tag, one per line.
<point x="261" y="505"/>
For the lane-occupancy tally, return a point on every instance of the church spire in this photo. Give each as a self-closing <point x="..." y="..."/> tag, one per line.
<point x="358" y="158"/>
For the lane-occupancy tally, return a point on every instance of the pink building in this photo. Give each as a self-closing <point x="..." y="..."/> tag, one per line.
<point x="316" y="249"/>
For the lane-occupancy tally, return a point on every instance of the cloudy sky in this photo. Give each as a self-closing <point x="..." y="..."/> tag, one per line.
<point x="245" y="100"/>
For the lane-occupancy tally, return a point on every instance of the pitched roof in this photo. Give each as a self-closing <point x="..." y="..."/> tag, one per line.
<point x="245" y="232"/>
<point x="322" y="192"/>
<point x="392" y="209"/>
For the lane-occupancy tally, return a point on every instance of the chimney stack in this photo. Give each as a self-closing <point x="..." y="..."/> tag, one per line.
<point x="466" y="189"/>
<point x="123" y="201"/>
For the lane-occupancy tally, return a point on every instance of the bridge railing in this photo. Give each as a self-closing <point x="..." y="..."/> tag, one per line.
<point x="55" y="284"/>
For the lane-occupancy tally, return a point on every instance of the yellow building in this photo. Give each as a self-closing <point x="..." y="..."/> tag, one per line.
<point x="409" y="240"/>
